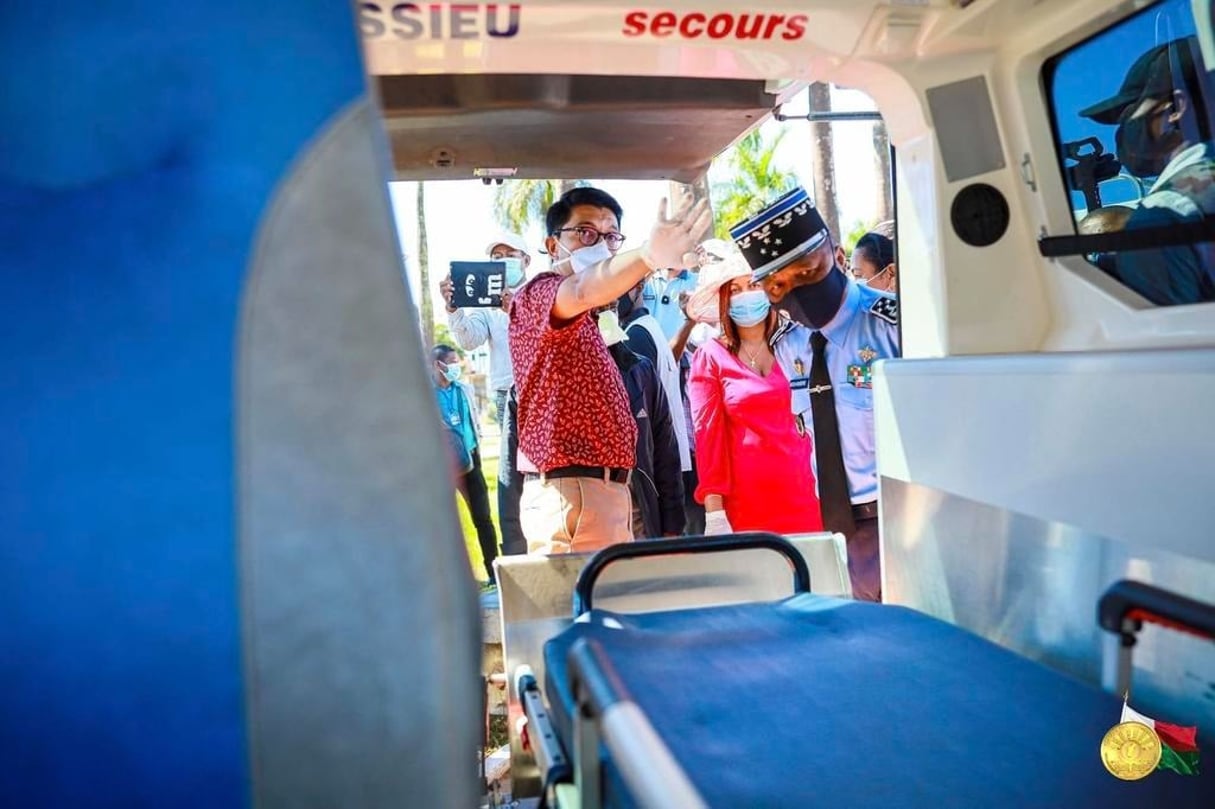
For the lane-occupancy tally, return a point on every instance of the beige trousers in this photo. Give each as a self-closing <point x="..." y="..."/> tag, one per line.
<point x="573" y="515"/>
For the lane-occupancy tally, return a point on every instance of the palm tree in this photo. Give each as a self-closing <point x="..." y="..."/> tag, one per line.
<point x="823" y="160"/>
<point x="751" y="179"/>
<point x="881" y="153"/>
<point x="426" y="305"/>
<point x="517" y="203"/>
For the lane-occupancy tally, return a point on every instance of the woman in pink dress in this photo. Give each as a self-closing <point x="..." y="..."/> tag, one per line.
<point x="752" y="457"/>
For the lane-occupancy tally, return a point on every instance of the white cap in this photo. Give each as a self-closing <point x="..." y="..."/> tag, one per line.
<point x="510" y="240"/>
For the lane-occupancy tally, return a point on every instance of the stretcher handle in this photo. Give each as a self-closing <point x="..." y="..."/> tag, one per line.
<point x="650" y="772"/>
<point x="1127" y="604"/>
<point x="585" y="587"/>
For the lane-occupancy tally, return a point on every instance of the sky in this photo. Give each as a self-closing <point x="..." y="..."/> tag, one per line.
<point x="460" y="219"/>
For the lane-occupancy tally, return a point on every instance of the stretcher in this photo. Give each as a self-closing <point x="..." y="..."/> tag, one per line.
<point x="821" y="701"/>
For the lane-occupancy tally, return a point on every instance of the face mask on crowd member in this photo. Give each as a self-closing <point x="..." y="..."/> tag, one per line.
<point x="511" y="250"/>
<point x="514" y="271"/>
<point x="452" y="372"/>
<point x="1148" y="136"/>
<point x="750" y="307"/>
<point x="873" y="262"/>
<point x="584" y="258"/>
<point x="882" y="279"/>
<point x="593" y="237"/>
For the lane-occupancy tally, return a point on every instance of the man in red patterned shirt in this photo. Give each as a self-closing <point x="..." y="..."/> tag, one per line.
<point x="577" y="435"/>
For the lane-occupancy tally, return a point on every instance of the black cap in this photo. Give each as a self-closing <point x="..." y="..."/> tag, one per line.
<point x="779" y="234"/>
<point x="1150" y="76"/>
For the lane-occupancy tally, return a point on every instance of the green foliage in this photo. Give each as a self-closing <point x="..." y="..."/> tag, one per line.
<point x="443" y="335"/>
<point x="859" y="228"/>
<point x="750" y="180"/>
<point x="518" y="203"/>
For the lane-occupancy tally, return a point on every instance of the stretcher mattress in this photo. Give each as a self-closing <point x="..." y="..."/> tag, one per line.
<point x="816" y="701"/>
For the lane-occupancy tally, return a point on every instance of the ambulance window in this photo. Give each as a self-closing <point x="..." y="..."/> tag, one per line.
<point x="1132" y="115"/>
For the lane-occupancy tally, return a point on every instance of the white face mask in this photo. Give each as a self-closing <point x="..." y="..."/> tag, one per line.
<point x="585" y="257"/>
<point x="876" y="280"/>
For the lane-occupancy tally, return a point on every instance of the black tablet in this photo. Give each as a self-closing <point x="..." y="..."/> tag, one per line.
<point x="477" y="283"/>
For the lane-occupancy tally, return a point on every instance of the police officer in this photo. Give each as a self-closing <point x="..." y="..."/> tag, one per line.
<point x="837" y="330"/>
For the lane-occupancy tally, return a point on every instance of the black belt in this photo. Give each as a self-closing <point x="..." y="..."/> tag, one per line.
<point x="599" y="472"/>
<point x="865" y="511"/>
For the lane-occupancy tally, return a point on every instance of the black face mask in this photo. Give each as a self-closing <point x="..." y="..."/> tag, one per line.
<point x="1137" y="149"/>
<point x="819" y="302"/>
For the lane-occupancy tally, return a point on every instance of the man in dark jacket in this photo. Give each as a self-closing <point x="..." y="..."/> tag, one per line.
<point x="657" y="481"/>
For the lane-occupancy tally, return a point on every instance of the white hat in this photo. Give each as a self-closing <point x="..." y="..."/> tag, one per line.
<point x="703" y="303"/>
<point x="716" y="248"/>
<point x="510" y="240"/>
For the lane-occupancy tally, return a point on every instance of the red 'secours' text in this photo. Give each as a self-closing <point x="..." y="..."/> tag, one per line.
<point x="724" y="25"/>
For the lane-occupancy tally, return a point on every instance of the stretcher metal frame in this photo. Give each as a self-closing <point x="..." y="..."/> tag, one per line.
<point x="607" y="720"/>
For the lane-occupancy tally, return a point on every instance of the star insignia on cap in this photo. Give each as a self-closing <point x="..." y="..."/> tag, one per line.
<point x="778" y="242"/>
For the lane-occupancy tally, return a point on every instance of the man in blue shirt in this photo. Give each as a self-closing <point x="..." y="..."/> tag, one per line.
<point x="661" y="297"/>
<point x="836" y="330"/>
<point x="459" y="416"/>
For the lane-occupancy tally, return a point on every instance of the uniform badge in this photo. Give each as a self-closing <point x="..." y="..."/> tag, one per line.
<point x="800" y="421"/>
<point x="798" y="368"/>
<point x="867" y="354"/>
<point x="886" y="309"/>
<point x="861" y="376"/>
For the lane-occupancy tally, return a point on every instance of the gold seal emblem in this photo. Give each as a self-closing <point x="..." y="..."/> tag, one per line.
<point x="1130" y="751"/>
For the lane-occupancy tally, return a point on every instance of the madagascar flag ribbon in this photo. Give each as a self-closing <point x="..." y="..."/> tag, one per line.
<point x="1178" y="745"/>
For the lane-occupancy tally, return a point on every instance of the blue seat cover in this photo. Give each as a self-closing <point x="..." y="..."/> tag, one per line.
<point x="140" y="143"/>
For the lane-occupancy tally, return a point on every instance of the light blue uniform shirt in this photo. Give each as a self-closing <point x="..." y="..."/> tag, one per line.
<point x="863" y="331"/>
<point x="455" y="407"/>
<point x="661" y="296"/>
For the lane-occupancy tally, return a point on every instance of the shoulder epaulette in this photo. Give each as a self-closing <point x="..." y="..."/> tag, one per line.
<point x="887" y="309"/>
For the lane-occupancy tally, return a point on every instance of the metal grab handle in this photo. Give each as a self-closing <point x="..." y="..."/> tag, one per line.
<point x="607" y="714"/>
<point x="687" y="545"/>
<point x="1127" y="604"/>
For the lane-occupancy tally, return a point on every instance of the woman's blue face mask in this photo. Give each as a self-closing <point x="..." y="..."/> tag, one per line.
<point x="749" y="308"/>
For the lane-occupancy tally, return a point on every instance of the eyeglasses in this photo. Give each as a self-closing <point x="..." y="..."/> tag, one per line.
<point x="588" y="235"/>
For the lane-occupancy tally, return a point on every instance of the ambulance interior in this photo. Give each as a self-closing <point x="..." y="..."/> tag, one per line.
<point x="1023" y="437"/>
<point x="310" y="636"/>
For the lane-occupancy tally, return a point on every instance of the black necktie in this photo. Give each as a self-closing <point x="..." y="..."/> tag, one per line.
<point x="832" y="477"/>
